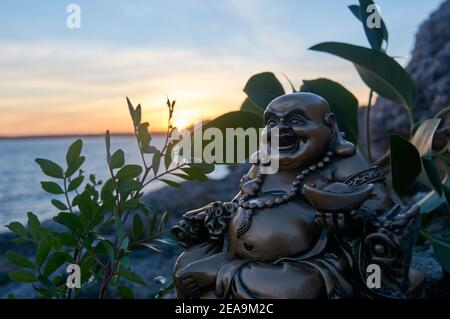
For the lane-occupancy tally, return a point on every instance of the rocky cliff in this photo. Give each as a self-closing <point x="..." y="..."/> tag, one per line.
<point x="430" y="69"/>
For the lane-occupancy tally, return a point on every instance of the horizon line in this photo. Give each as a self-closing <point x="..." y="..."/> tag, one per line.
<point x="81" y="135"/>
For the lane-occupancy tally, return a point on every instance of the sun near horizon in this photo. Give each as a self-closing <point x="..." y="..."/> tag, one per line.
<point x="60" y="81"/>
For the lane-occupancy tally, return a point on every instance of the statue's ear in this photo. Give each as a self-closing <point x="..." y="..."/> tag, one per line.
<point x="329" y="119"/>
<point x="338" y="144"/>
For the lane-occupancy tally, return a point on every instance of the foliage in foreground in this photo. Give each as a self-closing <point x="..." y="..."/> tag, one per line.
<point x="94" y="214"/>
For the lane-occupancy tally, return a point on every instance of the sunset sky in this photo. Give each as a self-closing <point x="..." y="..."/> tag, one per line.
<point x="56" y="80"/>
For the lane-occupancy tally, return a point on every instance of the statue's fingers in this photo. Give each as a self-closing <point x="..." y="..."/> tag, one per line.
<point x="330" y="221"/>
<point x="320" y="220"/>
<point x="192" y="286"/>
<point x="188" y="280"/>
<point x="340" y="220"/>
<point x="195" y="291"/>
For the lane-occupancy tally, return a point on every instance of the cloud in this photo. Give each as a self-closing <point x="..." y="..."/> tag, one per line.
<point x="62" y="87"/>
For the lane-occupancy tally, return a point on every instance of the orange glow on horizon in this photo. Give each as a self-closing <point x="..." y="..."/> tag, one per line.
<point x="82" y="120"/>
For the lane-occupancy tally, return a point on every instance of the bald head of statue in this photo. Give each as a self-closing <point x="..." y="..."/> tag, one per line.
<point x="307" y="129"/>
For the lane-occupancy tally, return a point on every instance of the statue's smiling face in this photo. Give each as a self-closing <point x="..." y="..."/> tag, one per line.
<point x="305" y="125"/>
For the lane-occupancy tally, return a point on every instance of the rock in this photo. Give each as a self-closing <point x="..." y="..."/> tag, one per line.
<point x="195" y="195"/>
<point x="423" y="260"/>
<point x="430" y="69"/>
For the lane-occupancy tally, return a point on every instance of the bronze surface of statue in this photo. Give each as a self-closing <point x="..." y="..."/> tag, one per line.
<point x="309" y="230"/>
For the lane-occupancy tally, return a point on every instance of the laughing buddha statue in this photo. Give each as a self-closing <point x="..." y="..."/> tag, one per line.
<point x="313" y="229"/>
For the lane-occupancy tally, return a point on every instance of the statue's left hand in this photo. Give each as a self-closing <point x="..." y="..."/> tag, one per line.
<point x="201" y="274"/>
<point x="338" y="222"/>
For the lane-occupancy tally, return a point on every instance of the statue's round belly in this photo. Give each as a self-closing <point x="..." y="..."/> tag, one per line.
<point x="275" y="232"/>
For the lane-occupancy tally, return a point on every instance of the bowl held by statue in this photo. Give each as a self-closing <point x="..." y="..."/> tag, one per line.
<point x="337" y="197"/>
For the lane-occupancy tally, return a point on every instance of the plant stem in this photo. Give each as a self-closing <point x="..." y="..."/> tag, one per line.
<point x="165" y="173"/>
<point x="369" y="105"/>
<point x="66" y="194"/>
<point x="77" y="252"/>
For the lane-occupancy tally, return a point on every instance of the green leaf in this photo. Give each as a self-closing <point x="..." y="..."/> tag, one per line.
<point x="33" y="225"/>
<point x="108" y="147"/>
<point x="161" y="280"/>
<point x="107" y="190"/>
<point x="129" y="172"/>
<point x="74" y="165"/>
<point x="144" y="135"/>
<point x="423" y="141"/>
<point x="442" y="112"/>
<point x="75" y="183"/>
<point x="50" y="168"/>
<point x="125" y="292"/>
<point x="129" y="186"/>
<point x="249" y="106"/>
<point x="17" y="228"/>
<point x="342" y="103"/>
<point x="23" y="276"/>
<point x="170" y="183"/>
<point x="446" y="189"/>
<point x="206" y="168"/>
<point x="152" y="206"/>
<point x="150" y="149"/>
<point x="74" y="151"/>
<point x="423" y="136"/>
<point x="354" y="8"/>
<point x="153" y="224"/>
<point x="138" y="227"/>
<point x="19" y="259"/>
<point x="49" y="287"/>
<point x="120" y="231"/>
<point x="42" y="250"/>
<point x="356" y="12"/>
<point x="131" y="276"/>
<point x="405" y="163"/>
<point x="124" y="262"/>
<point x="244" y="123"/>
<point x="167" y="240"/>
<point x="195" y="173"/>
<point x="130" y="108"/>
<point x="55" y="261"/>
<point x="183" y="176"/>
<point x="168" y="156"/>
<point x="117" y="159"/>
<point x="164" y="219"/>
<point x="135" y="113"/>
<point x="151" y="246"/>
<point x="58" y="204"/>
<point x="156" y="160"/>
<point x="290" y="83"/>
<point x="52" y="188"/>
<point x="87" y="265"/>
<point x="67" y="239"/>
<point x="432" y="201"/>
<point x="262" y="88"/>
<point x="441" y="248"/>
<point x="124" y="244"/>
<point x="132" y="203"/>
<point x="432" y="173"/>
<point x="374" y="35"/>
<point x="379" y="71"/>
<point x="71" y="221"/>
<point x="109" y="249"/>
